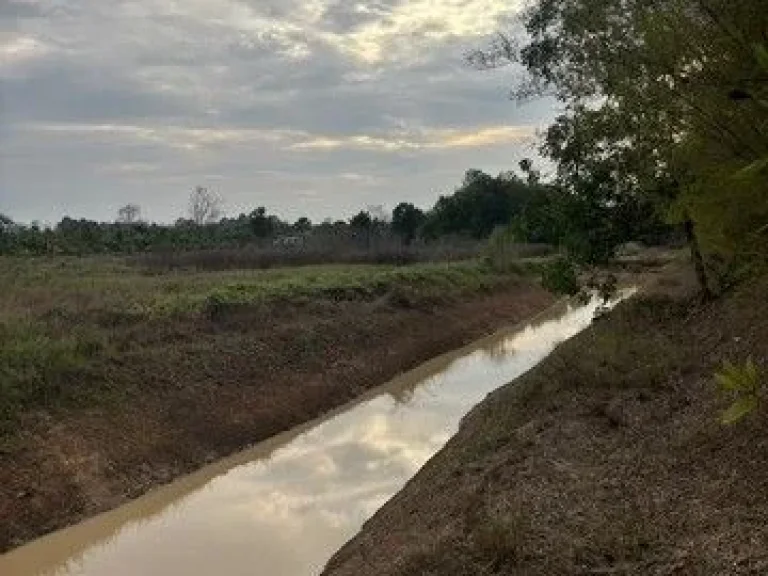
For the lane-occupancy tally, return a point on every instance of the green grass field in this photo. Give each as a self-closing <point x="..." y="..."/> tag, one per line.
<point x="62" y="320"/>
<point x="69" y="285"/>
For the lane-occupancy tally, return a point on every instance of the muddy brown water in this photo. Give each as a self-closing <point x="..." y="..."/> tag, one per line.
<point x="283" y="507"/>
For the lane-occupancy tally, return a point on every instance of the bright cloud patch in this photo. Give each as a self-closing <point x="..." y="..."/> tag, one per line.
<point x="427" y="140"/>
<point x="19" y="49"/>
<point x="409" y="27"/>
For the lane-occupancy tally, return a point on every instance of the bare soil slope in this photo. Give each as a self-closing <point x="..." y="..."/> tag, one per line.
<point x="608" y="458"/>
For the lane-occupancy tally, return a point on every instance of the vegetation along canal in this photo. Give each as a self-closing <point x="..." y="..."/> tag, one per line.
<point x="285" y="506"/>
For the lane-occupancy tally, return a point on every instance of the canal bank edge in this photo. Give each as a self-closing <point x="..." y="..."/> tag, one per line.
<point x="607" y="458"/>
<point x="72" y="465"/>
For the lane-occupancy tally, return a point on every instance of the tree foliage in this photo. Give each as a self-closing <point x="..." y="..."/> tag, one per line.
<point x="407" y="220"/>
<point x="664" y="110"/>
<point x="479" y="205"/>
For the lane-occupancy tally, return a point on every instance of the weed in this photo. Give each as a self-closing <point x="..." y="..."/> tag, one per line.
<point x="270" y="257"/>
<point x="500" y="539"/>
<point x="744" y="382"/>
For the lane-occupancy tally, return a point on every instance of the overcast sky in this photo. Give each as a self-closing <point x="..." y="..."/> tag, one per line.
<point x="308" y="107"/>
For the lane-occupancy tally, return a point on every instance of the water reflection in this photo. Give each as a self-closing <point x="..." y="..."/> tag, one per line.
<point x="300" y="496"/>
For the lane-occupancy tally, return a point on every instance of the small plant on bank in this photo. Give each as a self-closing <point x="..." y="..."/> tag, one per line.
<point x="744" y="382"/>
<point x="560" y="277"/>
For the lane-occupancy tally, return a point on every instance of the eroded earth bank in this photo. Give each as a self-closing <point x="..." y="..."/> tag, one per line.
<point x="607" y="458"/>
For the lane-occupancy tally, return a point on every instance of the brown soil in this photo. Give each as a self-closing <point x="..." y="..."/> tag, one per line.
<point x="198" y="389"/>
<point x="608" y="458"/>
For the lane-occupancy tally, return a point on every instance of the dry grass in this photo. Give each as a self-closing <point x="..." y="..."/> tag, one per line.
<point x="266" y="257"/>
<point x="610" y="450"/>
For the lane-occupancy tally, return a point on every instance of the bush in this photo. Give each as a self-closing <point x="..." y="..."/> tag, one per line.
<point x="560" y="277"/>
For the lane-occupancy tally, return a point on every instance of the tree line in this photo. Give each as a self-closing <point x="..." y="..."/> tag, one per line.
<point x="480" y="204"/>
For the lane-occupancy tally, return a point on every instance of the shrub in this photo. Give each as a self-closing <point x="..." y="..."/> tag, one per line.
<point x="560" y="277"/>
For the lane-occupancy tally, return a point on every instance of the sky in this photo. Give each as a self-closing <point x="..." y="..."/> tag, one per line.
<point x="307" y="107"/>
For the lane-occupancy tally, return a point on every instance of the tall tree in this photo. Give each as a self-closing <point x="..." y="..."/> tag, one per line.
<point x="205" y="206"/>
<point x="662" y="100"/>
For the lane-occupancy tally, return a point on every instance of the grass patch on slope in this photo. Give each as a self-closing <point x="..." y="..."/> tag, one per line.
<point x="63" y="319"/>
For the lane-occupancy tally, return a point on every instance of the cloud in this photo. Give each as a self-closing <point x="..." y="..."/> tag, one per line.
<point x="427" y="140"/>
<point x="203" y="138"/>
<point x="268" y="98"/>
<point x="16" y="51"/>
<point x="14" y="9"/>
<point x="403" y="30"/>
<point x="170" y="136"/>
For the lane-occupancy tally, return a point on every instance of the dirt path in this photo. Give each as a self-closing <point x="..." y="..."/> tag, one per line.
<point x="608" y="458"/>
<point x="203" y="389"/>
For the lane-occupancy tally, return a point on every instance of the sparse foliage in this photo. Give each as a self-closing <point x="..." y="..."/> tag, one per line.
<point x="129" y="214"/>
<point x="205" y="206"/>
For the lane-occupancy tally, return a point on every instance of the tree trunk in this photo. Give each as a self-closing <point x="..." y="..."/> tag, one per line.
<point x="697" y="258"/>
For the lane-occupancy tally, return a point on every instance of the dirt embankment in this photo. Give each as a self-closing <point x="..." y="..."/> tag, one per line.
<point x="608" y="458"/>
<point x="204" y="387"/>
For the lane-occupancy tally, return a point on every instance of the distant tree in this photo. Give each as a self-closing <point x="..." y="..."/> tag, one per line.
<point x="362" y="226"/>
<point x="205" y="206"/>
<point x="406" y="221"/>
<point x="361" y="221"/>
<point x="261" y="225"/>
<point x="6" y="223"/>
<point x="532" y="175"/>
<point x="302" y="225"/>
<point x="479" y="205"/>
<point x="7" y="241"/>
<point x="129" y="214"/>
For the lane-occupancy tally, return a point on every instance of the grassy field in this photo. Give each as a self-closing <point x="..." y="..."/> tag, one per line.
<point x="32" y="285"/>
<point x="62" y="319"/>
